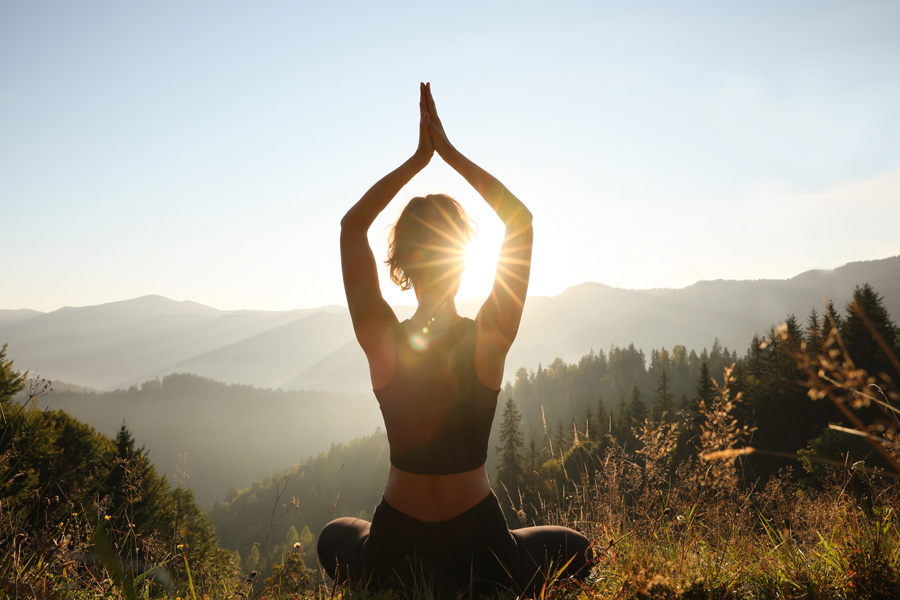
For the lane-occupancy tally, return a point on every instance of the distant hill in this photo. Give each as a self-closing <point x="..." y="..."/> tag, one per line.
<point x="11" y="317"/>
<point x="222" y="436"/>
<point x="117" y="344"/>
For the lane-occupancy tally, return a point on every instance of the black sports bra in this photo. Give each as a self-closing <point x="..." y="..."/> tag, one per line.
<point x="436" y="411"/>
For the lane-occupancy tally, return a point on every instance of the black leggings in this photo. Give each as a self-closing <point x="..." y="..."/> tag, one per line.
<point x="475" y="548"/>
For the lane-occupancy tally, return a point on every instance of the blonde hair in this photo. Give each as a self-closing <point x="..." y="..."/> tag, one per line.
<point x="431" y="234"/>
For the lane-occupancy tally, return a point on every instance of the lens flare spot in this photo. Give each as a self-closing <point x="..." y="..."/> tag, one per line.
<point x="424" y="330"/>
<point x="418" y="342"/>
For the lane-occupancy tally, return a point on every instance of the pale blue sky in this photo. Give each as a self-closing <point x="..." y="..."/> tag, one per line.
<point x="206" y="151"/>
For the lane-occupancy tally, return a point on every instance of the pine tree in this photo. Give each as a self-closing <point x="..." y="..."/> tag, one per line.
<point x="662" y="402"/>
<point x="602" y="424"/>
<point x="832" y="320"/>
<point x="813" y="333"/>
<point x="11" y="381"/>
<point x="137" y="494"/>
<point x="291" y="538"/>
<point x="512" y="442"/>
<point x="561" y="440"/>
<point x="306" y="537"/>
<point x="251" y="561"/>
<point x="868" y="305"/>
<point x="704" y="396"/>
<point x="637" y="407"/>
<point x="623" y="420"/>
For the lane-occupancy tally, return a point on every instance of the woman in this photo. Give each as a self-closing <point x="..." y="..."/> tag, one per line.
<point x="437" y="377"/>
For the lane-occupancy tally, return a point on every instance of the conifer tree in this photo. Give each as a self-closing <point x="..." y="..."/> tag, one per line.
<point x="512" y="442"/>
<point x="686" y="445"/>
<point x="637" y="407"/>
<point x="306" y="540"/>
<point x="251" y="562"/>
<point x="662" y="402"/>
<point x="705" y="389"/>
<point x="813" y="333"/>
<point x="602" y="424"/>
<point x="561" y="439"/>
<point x="868" y="305"/>
<point x="623" y="420"/>
<point x="11" y="381"/>
<point x="831" y="320"/>
<point x="291" y="538"/>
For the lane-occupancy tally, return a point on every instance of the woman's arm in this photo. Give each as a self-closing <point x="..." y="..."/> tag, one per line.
<point x="502" y="311"/>
<point x="368" y="310"/>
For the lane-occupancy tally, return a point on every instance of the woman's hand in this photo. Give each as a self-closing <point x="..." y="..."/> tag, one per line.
<point x="425" y="150"/>
<point x="435" y="128"/>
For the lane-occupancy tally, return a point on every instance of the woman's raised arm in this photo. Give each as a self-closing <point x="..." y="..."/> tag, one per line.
<point x="502" y="311"/>
<point x="368" y="310"/>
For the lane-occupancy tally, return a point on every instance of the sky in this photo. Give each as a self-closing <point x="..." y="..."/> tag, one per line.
<point x="207" y="151"/>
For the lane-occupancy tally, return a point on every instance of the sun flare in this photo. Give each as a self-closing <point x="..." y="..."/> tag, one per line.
<point x="481" y="261"/>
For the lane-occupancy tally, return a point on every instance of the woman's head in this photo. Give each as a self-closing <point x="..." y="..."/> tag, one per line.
<point x="427" y="244"/>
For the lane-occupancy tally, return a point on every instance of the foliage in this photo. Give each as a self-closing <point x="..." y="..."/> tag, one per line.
<point x="11" y="381"/>
<point x="81" y="513"/>
<point x="510" y="474"/>
<point x="344" y="481"/>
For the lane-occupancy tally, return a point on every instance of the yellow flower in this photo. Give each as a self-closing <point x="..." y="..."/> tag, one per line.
<point x="107" y="517"/>
<point x="179" y="547"/>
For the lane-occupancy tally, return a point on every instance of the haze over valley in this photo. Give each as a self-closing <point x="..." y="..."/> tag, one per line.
<point x="266" y="389"/>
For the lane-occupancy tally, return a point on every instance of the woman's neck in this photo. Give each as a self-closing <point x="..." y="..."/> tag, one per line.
<point x="437" y="312"/>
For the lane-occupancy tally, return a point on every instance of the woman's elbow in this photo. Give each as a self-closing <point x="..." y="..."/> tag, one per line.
<point x="351" y="222"/>
<point x="526" y="217"/>
<point x="522" y="217"/>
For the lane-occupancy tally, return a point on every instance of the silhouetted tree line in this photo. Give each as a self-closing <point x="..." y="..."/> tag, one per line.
<point x="671" y="389"/>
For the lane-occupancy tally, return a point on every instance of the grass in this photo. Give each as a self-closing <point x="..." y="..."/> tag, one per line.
<point x="691" y="540"/>
<point x="699" y="534"/>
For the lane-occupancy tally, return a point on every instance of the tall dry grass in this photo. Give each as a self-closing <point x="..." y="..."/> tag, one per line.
<point x="706" y="533"/>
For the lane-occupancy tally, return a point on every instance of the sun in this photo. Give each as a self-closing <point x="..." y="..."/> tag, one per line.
<point x="481" y="261"/>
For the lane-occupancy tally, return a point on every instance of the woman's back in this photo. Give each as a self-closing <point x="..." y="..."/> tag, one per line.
<point x="437" y="412"/>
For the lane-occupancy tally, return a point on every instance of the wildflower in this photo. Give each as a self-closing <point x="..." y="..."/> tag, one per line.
<point x="106" y="517"/>
<point x="179" y="546"/>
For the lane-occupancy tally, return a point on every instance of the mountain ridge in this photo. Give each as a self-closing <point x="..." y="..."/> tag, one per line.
<point x="112" y="345"/>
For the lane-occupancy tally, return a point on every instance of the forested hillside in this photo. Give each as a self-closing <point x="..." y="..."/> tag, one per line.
<point x="558" y="424"/>
<point x="75" y="501"/>
<point x="264" y="521"/>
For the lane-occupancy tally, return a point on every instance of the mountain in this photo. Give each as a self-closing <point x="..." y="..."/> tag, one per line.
<point x="596" y="316"/>
<point x="11" y="317"/>
<point x="122" y="343"/>
<point x="214" y="437"/>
